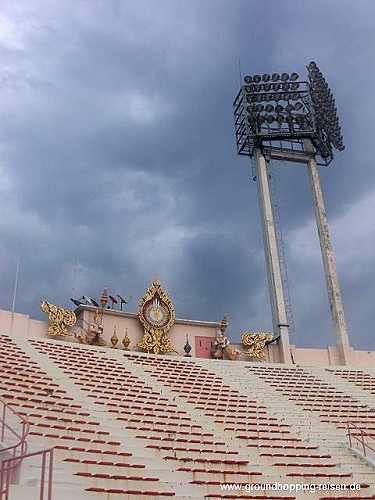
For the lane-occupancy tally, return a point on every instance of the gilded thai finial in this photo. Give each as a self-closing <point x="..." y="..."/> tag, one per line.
<point x="114" y="339"/>
<point x="223" y="323"/>
<point x="104" y="297"/>
<point x="126" y="340"/>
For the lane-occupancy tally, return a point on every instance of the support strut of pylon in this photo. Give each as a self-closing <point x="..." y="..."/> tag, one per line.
<point x="333" y="288"/>
<point x="279" y="318"/>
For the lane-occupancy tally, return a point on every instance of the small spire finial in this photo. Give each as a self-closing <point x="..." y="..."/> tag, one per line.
<point x="187" y="348"/>
<point x="104" y="297"/>
<point x="223" y="323"/>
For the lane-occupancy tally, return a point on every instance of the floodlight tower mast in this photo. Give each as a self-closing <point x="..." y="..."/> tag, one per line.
<point x="277" y="296"/>
<point x="284" y="118"/>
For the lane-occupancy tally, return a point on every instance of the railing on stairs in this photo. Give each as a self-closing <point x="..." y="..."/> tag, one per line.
<point x="17" y="452"/>
<point x="7" y="414"/>
<point x="8" y="465"/>
<point x="357" y="436"/>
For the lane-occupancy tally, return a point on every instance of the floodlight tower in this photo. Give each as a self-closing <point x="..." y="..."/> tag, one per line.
<point x="285" y="118"/>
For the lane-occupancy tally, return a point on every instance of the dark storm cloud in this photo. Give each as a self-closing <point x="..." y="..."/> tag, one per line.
<point x="118" y="158"/>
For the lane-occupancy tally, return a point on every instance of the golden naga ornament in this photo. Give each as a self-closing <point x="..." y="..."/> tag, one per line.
<point x="157" y="315"/>
<point x="60" y="319"/>
<point x="255" y="343"/>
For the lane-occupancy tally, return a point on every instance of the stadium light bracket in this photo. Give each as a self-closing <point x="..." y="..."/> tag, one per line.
<point x="281" y="111"/>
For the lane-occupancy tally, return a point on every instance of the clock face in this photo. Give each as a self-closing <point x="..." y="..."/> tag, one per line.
<point x="156" y="313"/>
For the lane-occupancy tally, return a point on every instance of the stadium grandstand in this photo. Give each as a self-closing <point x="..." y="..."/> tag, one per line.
<point x="88" y="416"/>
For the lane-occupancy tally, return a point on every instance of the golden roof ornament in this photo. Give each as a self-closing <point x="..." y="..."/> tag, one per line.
<point x="255" y="344"/>
<point x="223" y="323"/>
<point x="60" y="319"/>
<point x="114" y="339"/>
<point x="157" y="315"/>
<point x="104" y="297"/>
<point x="126" y="340"/>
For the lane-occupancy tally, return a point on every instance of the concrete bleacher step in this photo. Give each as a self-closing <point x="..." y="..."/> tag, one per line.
<point x="32" y="492"/>
<point x="75" y="478"/>
<point x="29" y="485"/>
<point x="117" y="494"/>
<point x="340" y="383"/>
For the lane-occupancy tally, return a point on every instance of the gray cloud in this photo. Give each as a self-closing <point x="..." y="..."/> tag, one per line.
<point x="118" y="162"/>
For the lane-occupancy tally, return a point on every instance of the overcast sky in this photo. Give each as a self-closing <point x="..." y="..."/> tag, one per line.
<point x="118" y="158"/>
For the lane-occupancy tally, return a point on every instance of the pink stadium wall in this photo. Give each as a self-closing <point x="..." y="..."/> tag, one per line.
<point x="200" y="335"/>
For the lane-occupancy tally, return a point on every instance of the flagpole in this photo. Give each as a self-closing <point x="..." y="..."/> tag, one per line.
<point x="15" y="288"/>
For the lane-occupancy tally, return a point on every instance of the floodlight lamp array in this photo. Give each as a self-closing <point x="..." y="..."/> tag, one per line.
<point x="274" y="78"/>
<point x="281" y="107"/>
<point x="324" y="107"/>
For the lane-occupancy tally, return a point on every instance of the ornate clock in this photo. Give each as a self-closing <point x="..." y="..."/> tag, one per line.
<point x="156" y="313"/>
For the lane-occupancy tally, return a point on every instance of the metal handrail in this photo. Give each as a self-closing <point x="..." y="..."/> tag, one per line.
<point x="20" y="446"/>
<point x="7" y="467"/>
<point x="25" y="427"/>
<point x="11" y="463"/>
<point x="361" y="438"/>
